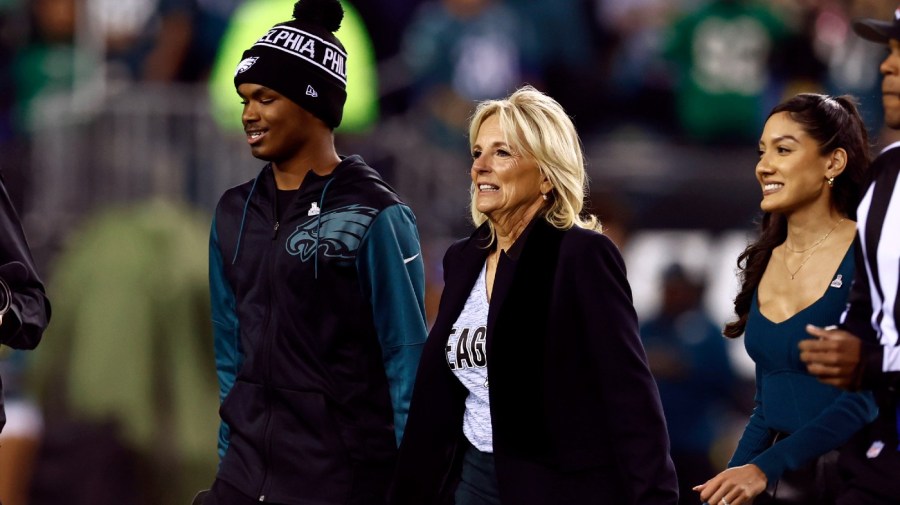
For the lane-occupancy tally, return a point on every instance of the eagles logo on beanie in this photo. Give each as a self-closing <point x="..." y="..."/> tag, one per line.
<point x="302" y="60"/>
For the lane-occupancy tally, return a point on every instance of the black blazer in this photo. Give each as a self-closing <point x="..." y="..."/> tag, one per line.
<point x="575" y="411"/>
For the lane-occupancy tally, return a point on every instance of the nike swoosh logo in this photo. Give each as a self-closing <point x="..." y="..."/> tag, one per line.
<point x="407" y="260"/>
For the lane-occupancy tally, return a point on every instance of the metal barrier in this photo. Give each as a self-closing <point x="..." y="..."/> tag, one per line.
<point x="135" y="143"/>
<point x="146" y="141"/>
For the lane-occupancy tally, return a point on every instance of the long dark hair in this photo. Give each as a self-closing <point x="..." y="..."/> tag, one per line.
<point x="833" y="122"/>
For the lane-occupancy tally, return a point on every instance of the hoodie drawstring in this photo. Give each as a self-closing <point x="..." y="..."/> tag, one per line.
<point x="237" y="246"/>
<point x="318" y="225"/>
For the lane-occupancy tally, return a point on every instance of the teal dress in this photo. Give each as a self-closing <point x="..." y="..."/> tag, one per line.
<point x="817" y="416"/>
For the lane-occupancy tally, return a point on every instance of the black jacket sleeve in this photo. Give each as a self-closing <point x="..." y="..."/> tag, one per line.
<point x="635" y="418"/>
<point x="29" y="310"/>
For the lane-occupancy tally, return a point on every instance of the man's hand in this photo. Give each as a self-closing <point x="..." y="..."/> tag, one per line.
<point x="833" y="357"/>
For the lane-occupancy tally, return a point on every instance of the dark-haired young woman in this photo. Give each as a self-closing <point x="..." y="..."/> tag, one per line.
<point x="813" y="159"/>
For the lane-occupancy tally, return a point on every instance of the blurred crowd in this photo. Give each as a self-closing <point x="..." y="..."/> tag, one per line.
<point x="696" y="73"/>
<point x="701" y="73"/>
<point x="698" y="69"/>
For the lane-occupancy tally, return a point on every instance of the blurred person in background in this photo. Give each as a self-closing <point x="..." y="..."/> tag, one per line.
<point x="44" y="65"/>
<point x="566" y="52"/>
<point x="821" y="53"/>
<point x="9" y="18"/>
<point x="24" y="314"/>
<point x="317" y="283"/>
<point x="42" y="70"/>
<point x="462" y="51"/>
<point x="210" y="21"/>
<point x="798" y="63"/>
<point x="721" y="55"/>
<point x="128" y="405"/>
<point x="638" y="80"/>
<point x="690" y="363"/>
<point x="862" y="353"/>
<point x="615" y="214"/>
<point x="533" y="386"/>
<point x="386" y="21"/>
<point x="142" y="39"/>
<point x="813" y="160"/>
<point x="853" y="61"/>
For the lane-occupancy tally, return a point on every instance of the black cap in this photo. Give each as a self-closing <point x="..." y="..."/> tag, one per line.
<point x="877" y="30"/>
<point x="302" y="60"/>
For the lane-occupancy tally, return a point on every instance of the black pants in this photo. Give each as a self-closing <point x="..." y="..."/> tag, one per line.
<point x="369" y="487"/>
<point x="860" y="497"/>
<point x="871" y="476"/>
<point x="866" y="481"/>
<point x="478" y="481"/>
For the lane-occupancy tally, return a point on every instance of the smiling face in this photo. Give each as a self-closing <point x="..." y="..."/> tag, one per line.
<point x="277" y="128"/>
<point x="791" y="170"/>
<point x="890" y="85"/>
<point x="508" y="185"/>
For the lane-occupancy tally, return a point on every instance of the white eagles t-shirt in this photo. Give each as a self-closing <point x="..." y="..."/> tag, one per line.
<point x="466" y="353"/>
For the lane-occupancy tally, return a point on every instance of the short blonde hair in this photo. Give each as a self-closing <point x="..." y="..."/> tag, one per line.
<point x="537" y="126"/>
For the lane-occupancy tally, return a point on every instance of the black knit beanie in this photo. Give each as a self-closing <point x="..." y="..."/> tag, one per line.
<point x="302" y="60"/>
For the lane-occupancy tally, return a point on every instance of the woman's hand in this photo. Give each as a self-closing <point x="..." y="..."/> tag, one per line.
<point x="735" y="486"/>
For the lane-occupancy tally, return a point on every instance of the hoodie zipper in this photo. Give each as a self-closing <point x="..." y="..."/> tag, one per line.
<point x="267" y="344"/>
<point x="275" y="207"/>
<point x="267" y="348"/>
<point x="267" y="378"/>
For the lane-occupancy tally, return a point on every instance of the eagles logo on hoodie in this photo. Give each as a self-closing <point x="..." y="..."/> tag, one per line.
<point x="336" y="233"/>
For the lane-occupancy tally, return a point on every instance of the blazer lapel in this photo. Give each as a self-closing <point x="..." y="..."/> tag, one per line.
<point x="503" y="278"/>
<point x="517" y="339"/>
<point x="526" y="282"/>
<point x="458" y="286"/>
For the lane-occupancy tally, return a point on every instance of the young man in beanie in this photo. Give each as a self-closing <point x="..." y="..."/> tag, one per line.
<point x="317" y="286"/>
<point x="864" y="353"/>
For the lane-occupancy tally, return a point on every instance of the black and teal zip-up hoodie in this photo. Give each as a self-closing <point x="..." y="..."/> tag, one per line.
<point x="319" y="322"/>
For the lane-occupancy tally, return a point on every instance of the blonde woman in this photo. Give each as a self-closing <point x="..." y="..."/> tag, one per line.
<point x="533" y="386"/>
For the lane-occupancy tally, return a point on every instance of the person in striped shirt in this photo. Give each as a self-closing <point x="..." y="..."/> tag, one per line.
<point x="863" y="352"/>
